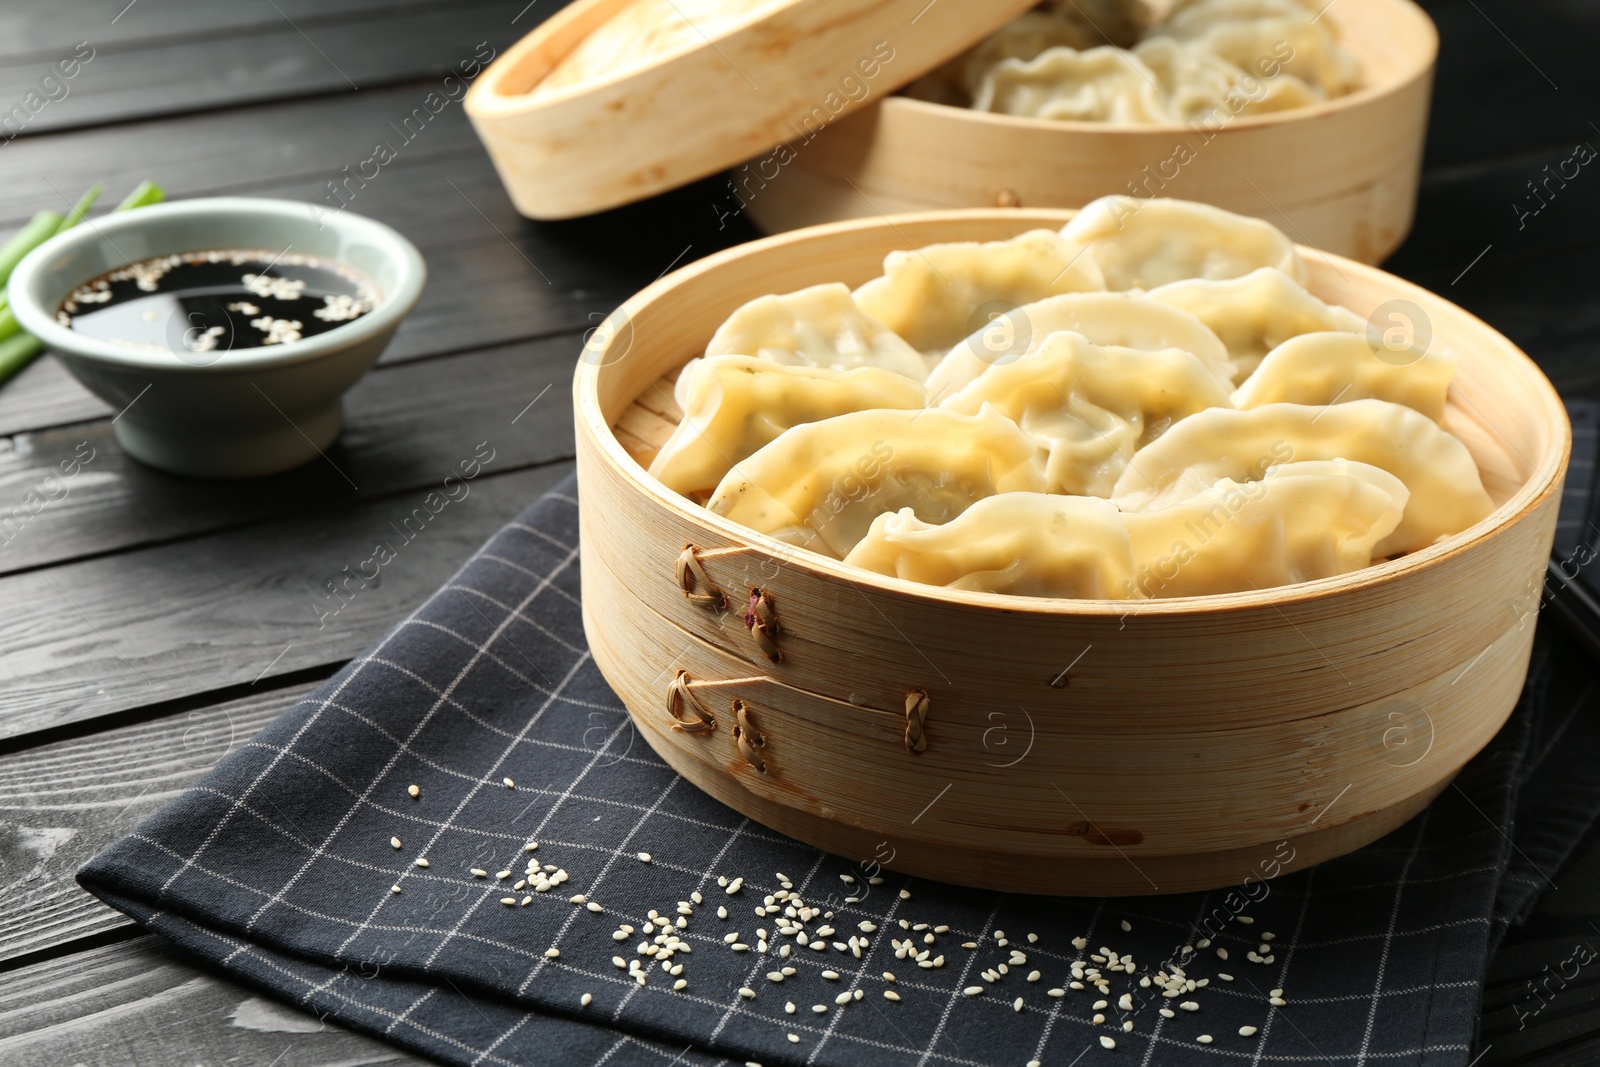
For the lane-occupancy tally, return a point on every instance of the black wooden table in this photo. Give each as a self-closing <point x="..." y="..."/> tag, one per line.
<point x="150" y="624"/>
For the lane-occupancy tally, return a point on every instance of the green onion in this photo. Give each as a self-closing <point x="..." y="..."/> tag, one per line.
<point x="39" y="229"/>
<point x="147" y="193"/>
<point x="17" y="349"/>
<point x="16" y="352"/>
<point x="80" y="209"/>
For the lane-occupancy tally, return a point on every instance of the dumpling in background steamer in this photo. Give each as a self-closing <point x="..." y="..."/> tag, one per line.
<point x="1199" y="84"/>
<point x="1098" y="85"/>
<point x="1256" y="313"/>
<point x="1026" y="544"/>
<point x="1332" y="368"/>
<point x="1285" y="35"/>
<point x="1300" y="522"/>
<point x="817" y="327"/>
<point x="1141" y="244"/>
<point x="1125" y="320"/>
<point x="930" y="296"/>
<point x="734" y="405"/>
<point x="1447" y="493"/>
<point x="956" y="82"/>
<point x="1091" y="406"/>
<point x="821" y="484"/>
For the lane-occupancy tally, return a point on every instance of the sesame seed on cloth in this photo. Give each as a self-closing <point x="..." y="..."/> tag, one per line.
<point x="279" y="867"/>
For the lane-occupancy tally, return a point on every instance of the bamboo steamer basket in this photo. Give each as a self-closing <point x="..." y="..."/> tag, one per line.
<point x="1035" y="745"/>
<point x="1340" y="175"/>
<point x="700" y="102"/>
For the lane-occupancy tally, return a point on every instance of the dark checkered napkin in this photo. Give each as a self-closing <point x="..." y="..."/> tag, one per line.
<point x="281" y="868"/>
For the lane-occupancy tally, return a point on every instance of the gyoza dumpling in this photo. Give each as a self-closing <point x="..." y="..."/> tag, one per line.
<point x="1256" y="313"/>
<point x="930" y="296"/>
<point x="1098" y="85"/>
<point x="1126" y="320"/>
<point x="1286" y="33"/>
<point x="1331" y="368"/>
<point x="820" y="485"/>
<point x="734" y="405"/>
<point x="816" y="327"/>
<point x="1447" y="494"/>
<point x="1028" y="544"/>
<point x="1091" y="406"/>
<point x="1300" y="522"/>
<point x="1022" y="38"/>
<point x="1140" y="244"/>
<point x="1199" y="84"/>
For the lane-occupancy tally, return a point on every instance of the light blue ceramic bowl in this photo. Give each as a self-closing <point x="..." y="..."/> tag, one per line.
<point x="230" y="414"/>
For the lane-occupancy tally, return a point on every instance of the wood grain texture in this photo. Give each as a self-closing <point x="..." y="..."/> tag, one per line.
<point x="405" y="428"/>
<point x="143" y="1002"/>
<point x="87" y="639"/>
<point x="62" y="803"/>
<point x="163" y="76"/>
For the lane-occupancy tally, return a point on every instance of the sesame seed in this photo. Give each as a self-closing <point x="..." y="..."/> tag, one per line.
<point x="509" y="784"/>
<point x="1126" y="926"/>
<point x="479" y="872"/>
<point x="832" y="976"/>
<point x="1057" y="992"/>
<point x="1225" y="977"/>
<point x="394" y="889"/>
<point x="1247" y="920"/>
<point x="905" y="894"/>
<point x="1189" y="1005"/>
<point x="414" y="791"/>
<point x="1099" y="1019"/>
<point x="842" y="999"/>
<point x="1267" y="935"/>
<point x="1168" y="1013"/>
<point x="1016" y="1005"/>
<point x="1204" y="1039"/>
<point x="774" y="976"/>
<point x="577" y="898"/>
<point x="552" y="953"/>
<point x="1247" y="1031"/>
<point x="394" y="842"/>
<point x="421" y="862"/>
<point x="889" y="994"/>
<point x="722" y="913"/>
<point x="969" y="944"/>
<point x="681" y="983"/>
<point x="789" y="1007"/>
<point x="1034" y="976"/>
<point x="1106" y="1042"/>
<point x="1277" y="1002"/>
<point x="1222" y="953"/>
<point x="531" y="846"/>
<point x="794" y="1039"/>
<point x="820" y="1009"/>
<point x="747" y="993"/>
<point x="596" y="908"/>
<point x="973" y="990"/>
<point x="586" y="1000"/>
<point x="509" y="901"/>
<point x="498" y="874"/>
<point x="734" y="886"/>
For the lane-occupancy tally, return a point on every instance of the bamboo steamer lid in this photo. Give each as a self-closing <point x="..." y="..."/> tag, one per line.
<point x="612" y="101"/>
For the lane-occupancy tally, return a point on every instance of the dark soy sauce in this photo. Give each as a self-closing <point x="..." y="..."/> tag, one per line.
<point x="199" y="305"/>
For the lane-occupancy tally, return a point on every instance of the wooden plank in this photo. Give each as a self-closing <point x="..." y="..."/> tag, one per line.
<point x="281" y="59"/>
<point x="1511" y="76"/>
<point x="241" y="150"/>
<point x="88" y="639"/>
<point x="143" y="1002"/>
<point x="403" y="428"/>
<point x="62" y="803"/>
<point x="40" y="29"/>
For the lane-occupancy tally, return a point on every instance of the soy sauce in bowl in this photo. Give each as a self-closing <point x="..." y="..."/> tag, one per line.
<point x="201" y="305"/>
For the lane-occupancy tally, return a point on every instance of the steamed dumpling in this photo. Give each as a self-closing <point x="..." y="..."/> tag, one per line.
<point x="1028" y="544"/>
<point x="821" y="484"/>
<point x="1098" y="85"/>
<point x="1331" y="368"/>
<point x="1201" y="85"/>
<point x="733" y="405"/>
<point x="1126" y="320"/>
<point x="816" y="327"/>
<point x="1256" y="313"/>
<point x="930" y="296"/>
<point x="1300" y="522"/>
<point x="1091" y="406"/>
<point x="1249" y="32"/>
<point x="1447" y="494"/>
<point x="1140" y="244"/>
